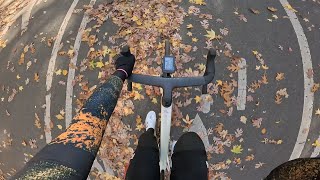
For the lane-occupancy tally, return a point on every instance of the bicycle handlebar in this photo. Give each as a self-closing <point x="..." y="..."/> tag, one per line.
<point x="168" y="84"/>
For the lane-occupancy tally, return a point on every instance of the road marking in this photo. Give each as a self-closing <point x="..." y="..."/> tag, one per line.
<point x="47" y="119"/>
<point x="26" y="16"/>
<point x="308" y="82"/>
<point x="242" y="85"/>
<point x="52" y="62"/>
<point x="199" y="128"/>
<point x="71" y="74"/>
<point x="316" y="150"/>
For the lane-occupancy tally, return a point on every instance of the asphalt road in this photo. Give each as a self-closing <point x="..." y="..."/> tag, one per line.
<point x="282" y="122"/>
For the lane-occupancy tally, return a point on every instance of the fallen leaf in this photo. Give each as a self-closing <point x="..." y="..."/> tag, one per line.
<point x="233" y="68"/>
<point x="36" y="77"/>
<point x="154" y="100"/>
<point x="263" y="131"/>
<point x="264" y="79"/>
<point x="249" y="98"/>
<point x="310" y="73"/>
<point x="257" y="122"/>
<point x="198" y="99"/>
<point x="21" y="88"/>
<point x="289" y="7"/>
<point x="37" y="121"/>
<point x="187" y="120"/>
<point x="189" y="33"/>
<point x="243" y="18"/>
<point x="21" y="60"/>
<point x="316" y="143"/>
<point x="238" y="132"/>
<point x="259" y="165"/>
<point x="237" y="149"/>
<point x="58" y="72"/>
<point x="99" y="64"/>
<point x="249" y="158"/>
<point x="211" y="35"/>
<point x="243" y="119"/>
<point x="283" y="92"/>
<point x="189" y="26"/>
<point x="60" y="117"/>
<point x="24" y="143"/>
<point x="59" y="126"/>
<point x="272" y="9"/>
<point x="315" y="87"/>
<point x="254" y="11"/>
<point x="198" y="2"/>
<point x="64" y="72"/>
<point x="7" y="113"/>
<point x="278" y="99"/>
<point x="280" y="76"/>
<point x="194" y="40"/>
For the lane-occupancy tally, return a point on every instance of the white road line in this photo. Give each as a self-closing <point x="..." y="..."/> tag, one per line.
<point x="308" y="82"/>
<point x="26" y="16"/>
<point x="316" y="150"/>
<point x="47" y="119"/>
<point x="52" y="62"/>
<point x="71" y="74"/>
<point x="242" y="85"/>
<point x="199" y="128"/>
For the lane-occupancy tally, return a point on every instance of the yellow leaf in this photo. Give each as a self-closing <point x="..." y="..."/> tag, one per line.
<point x="194" y="40"/>
<point x="211" y="35"/>
<point x="289" y="7"/>
<point x="265" y="67"/>
<point x="20" y="88"/>
<point x="255" y="52"/>
<point x="154" y="100"/>
<point x="18" y="76"/>
<point x="237" y="149"/>
<point x="99" y="64"/>
<point x="263" y="131"/>
<point x="139" y="127"/>
<point x="64" y="72"/>
<point x="138" y="120"/>
<point x="134" y="18"/>
<point x="198" y="99"/>
<point x="163" y="20"/>
<point x="3" y="44"/>
<point x="105" y="50"/>
<point x="137" y="86"/>
<point x="316" y="144"/>
<point x="59" y="126"/>
<point x="198" y="2"/>
<point x="219" y="83"/>
<point x="59" y="117"/>
<point x="318" y="112"/>
<point x="189" y="26"/>
<point x="58" y="72"/>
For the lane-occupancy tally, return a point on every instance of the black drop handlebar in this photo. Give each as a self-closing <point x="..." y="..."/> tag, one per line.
<point x="168" y="84"/>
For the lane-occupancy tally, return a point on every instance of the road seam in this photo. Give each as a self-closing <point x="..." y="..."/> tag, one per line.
<point x="308" y="82"/>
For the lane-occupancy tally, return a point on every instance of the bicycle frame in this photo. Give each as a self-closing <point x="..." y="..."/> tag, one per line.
<point x="168" y="83"/>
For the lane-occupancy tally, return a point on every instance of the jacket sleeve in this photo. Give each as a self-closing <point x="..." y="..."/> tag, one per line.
<point x="71" y="154"/>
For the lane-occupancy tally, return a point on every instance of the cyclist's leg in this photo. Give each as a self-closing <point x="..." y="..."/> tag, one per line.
<point x="189" y="159"/>
<point x="145" y="163"/>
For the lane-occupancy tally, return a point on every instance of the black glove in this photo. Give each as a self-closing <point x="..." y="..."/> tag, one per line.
<point x="124" y="63"/>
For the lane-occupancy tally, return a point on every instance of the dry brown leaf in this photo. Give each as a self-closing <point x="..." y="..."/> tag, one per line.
<point x="255" y="85"/>
<point x="310" y="73"/>
<point x="254" y="11"/>
<point x="280" y="76"/>
<point x="278" y="99"/>
<point x="233" y="68"/>
<point x="37" y="121"/>
<point x="36" y="77"/>
<point x="315" y="87"/>
<point x="250" y="158"/>
<point x="264" y="79"/>
<point x="272" y="9"/>
<point x="21" y="60"/>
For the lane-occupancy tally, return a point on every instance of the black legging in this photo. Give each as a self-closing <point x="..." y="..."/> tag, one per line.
<point x="188" y="159"/>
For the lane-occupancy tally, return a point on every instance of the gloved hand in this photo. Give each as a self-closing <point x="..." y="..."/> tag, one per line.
<point x="124" y="63"/>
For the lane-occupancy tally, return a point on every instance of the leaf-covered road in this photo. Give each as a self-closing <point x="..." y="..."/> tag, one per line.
<point x="264" y="95"/>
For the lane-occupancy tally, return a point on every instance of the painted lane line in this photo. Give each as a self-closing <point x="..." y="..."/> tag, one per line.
<point x="242" y="85"/>
<point x="26" y="16"/>
<point x="308" y="82"/>
<point x="199" y="128"/>
<point x="47" y="120"/>
<point x="71" y="72"/>
<point x="316" y="150"/>
<point x="51" y="66"/>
